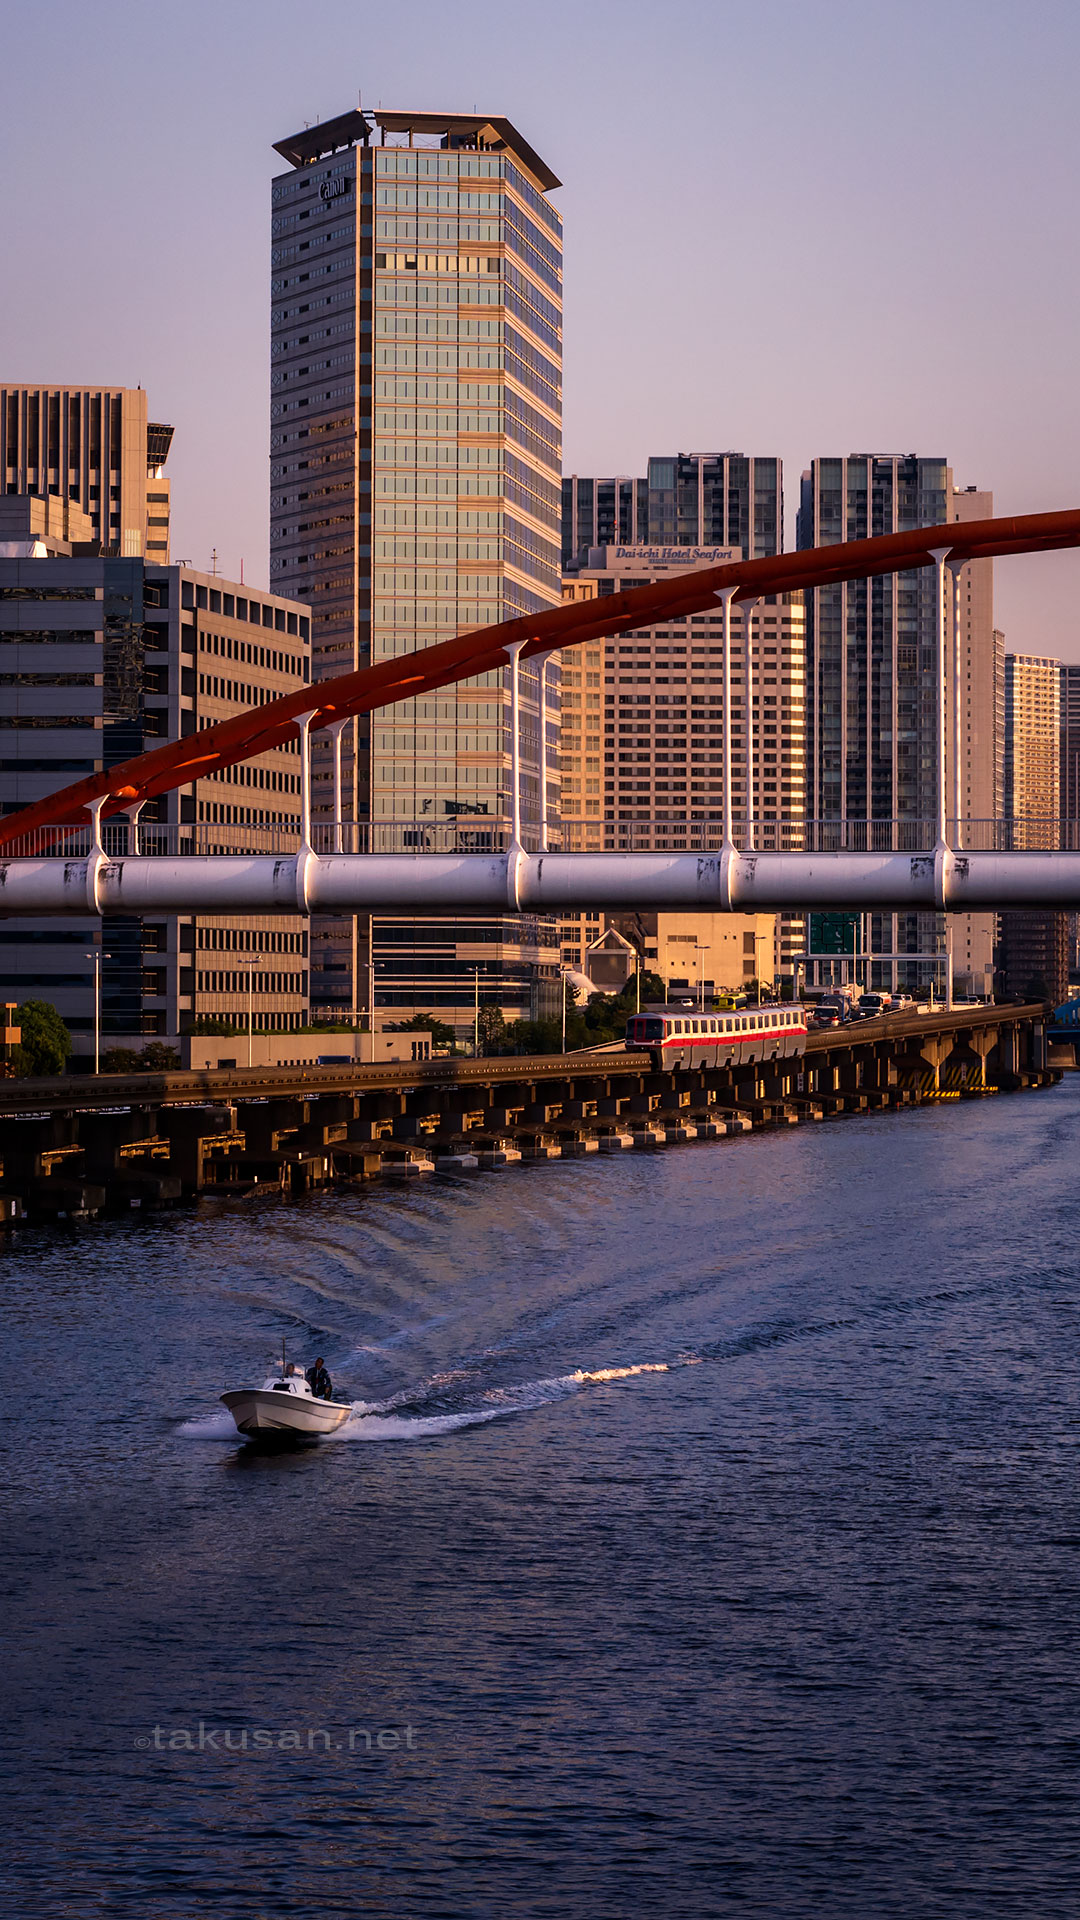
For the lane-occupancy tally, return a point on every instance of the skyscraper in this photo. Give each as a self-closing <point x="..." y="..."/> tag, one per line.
<point x="96" y="446"/>
<point x="871" y="693"/>
<point x="415" y="462"/>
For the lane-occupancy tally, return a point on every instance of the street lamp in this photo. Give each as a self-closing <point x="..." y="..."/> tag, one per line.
<point x="249" y="963"/>
<point x="700" y="951"/>
<point x="95" y="956"/>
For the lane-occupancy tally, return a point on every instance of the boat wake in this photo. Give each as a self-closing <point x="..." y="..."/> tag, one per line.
<point x="422" y="1412"/>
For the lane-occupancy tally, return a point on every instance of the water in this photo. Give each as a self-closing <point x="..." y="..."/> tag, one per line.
<point x="778" y="1619"/>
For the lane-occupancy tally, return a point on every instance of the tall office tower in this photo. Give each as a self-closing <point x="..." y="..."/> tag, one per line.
<point x="871" y="705"/>
<point x="663" y="733"/>
<point x="99" y="659"/>
<point x="96" y="446"/>
<point x="1033" y="952"/>
<point x="686" y="500"/>
<point x="415" y="461"/>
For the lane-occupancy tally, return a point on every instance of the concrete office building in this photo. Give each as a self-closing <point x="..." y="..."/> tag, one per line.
<point x="663" y="726"/>
<point x="685" y="500"/>
<point x="871" y="707"/>
<point x="97" y="447"/>
<point x="415" y="465"/>
<point x="100" y="659"/>
<point x="1033" y="950"/>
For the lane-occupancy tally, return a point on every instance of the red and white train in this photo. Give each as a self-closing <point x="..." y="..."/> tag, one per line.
<point x="679" y="1037"/>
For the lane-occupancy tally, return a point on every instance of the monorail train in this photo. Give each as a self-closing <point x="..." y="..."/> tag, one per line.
<point x="679" y="1037"/>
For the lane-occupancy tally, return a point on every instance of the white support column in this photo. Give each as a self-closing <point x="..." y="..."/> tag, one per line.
<point x="542" y="663"/>
<point x="748" y="651"/>
<point x="939" y="555"/>
<point x="133" y="829"/>
<point x="303" y="728"/>
<point x="725" y="597"/>
<point x="96" y="859"/>
<point x="956" y="569"/>
<point x="514" y="651"/>
<point x="336" y="732"/>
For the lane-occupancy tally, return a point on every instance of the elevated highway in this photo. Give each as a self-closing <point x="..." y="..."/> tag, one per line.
<point x="72" y="1147"/>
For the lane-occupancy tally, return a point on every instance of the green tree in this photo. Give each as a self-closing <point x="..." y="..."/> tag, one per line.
<point x="158" y="1058"/>
<point x="46" y="1042"/>
<point x="494" y="1038"/>
<point x="214" y="1023"/>
<point x="120" y="1060"/>
<point x="441" y="1034"/>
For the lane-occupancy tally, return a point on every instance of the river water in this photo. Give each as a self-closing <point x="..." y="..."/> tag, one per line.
<point x="707" y="1542"/>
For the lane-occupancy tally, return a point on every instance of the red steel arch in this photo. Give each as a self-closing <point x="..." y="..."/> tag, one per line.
<point x="483" y="648"/>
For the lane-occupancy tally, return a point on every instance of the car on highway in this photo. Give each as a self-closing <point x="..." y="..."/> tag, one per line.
<point x="832" y="1010"/>
<point x="870" y="1005"/>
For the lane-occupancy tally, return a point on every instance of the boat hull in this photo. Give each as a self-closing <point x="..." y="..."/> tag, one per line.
<point x="259" y="1410"/>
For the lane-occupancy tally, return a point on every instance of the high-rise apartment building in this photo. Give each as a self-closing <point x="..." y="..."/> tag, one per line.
<point x="685" y="500"/>
<point x="1033" y="950"/>
<point x="1032" y="748"/>
<point x="871" y="689"/>
<point x="658" y="773"/>
<point x="100" y="659"/>
<point x="415" y="468"/>
<point x="95" y="446"/>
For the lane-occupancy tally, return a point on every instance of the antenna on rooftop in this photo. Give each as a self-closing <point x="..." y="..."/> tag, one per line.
<point x="213" y="561"/>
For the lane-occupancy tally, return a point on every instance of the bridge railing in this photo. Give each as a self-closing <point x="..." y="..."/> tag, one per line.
<point x="207" y="838"/>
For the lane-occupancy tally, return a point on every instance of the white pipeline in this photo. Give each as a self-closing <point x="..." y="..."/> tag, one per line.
<point x="546" y="883"/>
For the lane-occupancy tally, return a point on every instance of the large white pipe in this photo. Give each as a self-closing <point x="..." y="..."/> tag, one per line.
<point x="549" y="883"/>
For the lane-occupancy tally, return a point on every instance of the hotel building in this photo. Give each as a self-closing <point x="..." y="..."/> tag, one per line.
<point x="415" y="493"/>
<point x="685" y="500"/>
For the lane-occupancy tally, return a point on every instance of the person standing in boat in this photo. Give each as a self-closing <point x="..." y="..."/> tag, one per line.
<point x="319" y="1380"/>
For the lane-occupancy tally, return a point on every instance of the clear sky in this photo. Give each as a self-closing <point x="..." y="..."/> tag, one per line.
<point x="791" y="228"/>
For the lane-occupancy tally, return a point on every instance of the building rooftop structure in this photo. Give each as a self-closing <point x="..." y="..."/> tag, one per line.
<point x="492" y="133"/>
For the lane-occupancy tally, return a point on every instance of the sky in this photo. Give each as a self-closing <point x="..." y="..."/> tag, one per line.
<point x="790" y="229"/>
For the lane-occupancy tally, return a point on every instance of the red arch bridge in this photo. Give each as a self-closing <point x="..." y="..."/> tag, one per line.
<point x="55" y="857"/>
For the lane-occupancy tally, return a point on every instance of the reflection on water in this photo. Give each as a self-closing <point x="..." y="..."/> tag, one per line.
<point x="724" y="1559"/>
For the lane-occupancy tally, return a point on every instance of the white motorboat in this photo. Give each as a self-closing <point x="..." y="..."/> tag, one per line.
<point x="285" y="1406"/>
